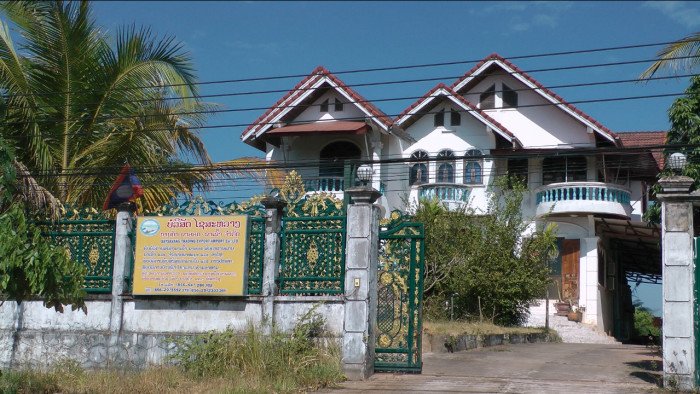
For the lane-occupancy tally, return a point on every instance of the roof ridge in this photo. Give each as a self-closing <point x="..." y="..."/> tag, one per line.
<point x="318" y="72"/>
<point x="517" y="70"/>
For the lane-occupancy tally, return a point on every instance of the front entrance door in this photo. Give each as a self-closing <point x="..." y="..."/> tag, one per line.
<point x="570" y="269"/>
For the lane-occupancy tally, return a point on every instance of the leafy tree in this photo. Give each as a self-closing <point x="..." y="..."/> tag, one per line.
<point x="72" y="101"/>
<point x="684" y="116"/>
<point x="484" y="260"/>
<point x="669" y="56"/>
<point x="30" y="265"/>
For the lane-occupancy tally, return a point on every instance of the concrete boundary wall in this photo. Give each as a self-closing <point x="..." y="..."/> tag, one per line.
<point x="126" y="331"/>
<point x="32" y="335"/>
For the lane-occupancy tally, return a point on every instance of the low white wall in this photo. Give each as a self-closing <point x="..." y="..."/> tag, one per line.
<point x="33" y="335"/>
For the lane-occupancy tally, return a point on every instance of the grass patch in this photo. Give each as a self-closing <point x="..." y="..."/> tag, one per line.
<point x="223" y="362"/>
<point x="475" y="328"/>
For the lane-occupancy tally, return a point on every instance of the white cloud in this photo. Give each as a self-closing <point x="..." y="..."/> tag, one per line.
<point x="523" y="16"/>
<point x="684" y="13"/>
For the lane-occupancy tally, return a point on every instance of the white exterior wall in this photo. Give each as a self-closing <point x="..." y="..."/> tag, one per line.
<point x="470" y="134"/>
<point x="543" y="126"/>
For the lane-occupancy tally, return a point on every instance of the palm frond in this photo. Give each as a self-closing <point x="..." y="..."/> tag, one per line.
<point x="668" y="56"/>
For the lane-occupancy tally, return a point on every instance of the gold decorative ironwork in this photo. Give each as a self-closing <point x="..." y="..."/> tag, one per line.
<point x="312" y="254"/>
<point x="94" y="255"/>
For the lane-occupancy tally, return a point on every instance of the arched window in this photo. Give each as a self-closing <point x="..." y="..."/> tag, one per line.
<point x="472" y="167"/>
<point x="419" y="170"/>
<point x="333" y="158"/>
<point x="446" y="169"/>
<point x="487" y="99"/>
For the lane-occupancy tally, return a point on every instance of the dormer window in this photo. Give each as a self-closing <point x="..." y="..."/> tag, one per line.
<point x="455" y="118"/>
<point x="487" y="99"/>
<point x="324" y="106"/>
<point x="338" y="105"/>
<point x="439" y="119"/>
<point x="510" y="97"/>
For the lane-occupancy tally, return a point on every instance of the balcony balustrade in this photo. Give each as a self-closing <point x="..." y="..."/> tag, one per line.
<point x="325" y="184"/>
<point x="448" y="192"/>
<point x="583" y="197"/>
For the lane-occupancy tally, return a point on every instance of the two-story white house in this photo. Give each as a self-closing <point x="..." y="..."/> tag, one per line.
<point x="452" y="143"/>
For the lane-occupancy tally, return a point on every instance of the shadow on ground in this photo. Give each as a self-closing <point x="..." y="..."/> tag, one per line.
<point x="649" y="371"/>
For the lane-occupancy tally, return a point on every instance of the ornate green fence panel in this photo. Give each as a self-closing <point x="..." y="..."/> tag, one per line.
<point x="312" y="256"/>
<point x="256" y="244"/>
<point x="88" y="237"/>
<point x="400" y="295"/>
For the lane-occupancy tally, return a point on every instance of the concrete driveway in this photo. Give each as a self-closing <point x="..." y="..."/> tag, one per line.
<point x="527" y="368"/>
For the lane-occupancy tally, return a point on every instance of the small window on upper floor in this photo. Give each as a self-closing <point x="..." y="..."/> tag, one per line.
<point x="439" y="118"/>
<point x="510" y="97"/>
<point x="487" y="99"/>
<point x="455" y="118"/>
<point x="338" y="105"/>
<point x="324" y="106"/>
<point x="472" y="167"/>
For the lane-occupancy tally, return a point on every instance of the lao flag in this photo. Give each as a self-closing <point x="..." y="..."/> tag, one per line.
<point x="126" y="187"/>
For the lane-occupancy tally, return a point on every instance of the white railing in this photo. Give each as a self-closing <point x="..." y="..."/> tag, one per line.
<point x="590" y="197"/>
<point x="445" y="191"/>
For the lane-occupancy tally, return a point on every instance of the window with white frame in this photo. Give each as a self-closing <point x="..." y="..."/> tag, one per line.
<point x="439" y="118"/>
<point x="446" y="166"/>
<point x="473" y="164"/>
<point x="419" y="170"/>
<point x="510" y="97"/>
<point x="487" y="99"/>
<point x="455" y="118"/>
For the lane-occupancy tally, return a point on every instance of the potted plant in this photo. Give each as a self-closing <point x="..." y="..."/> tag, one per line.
<point x="562" y="307"/>
<point x="576" y="315"/>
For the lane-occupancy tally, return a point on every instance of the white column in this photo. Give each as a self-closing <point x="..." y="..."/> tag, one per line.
<point x="678" y="273"/>
<point x="361" y="264"/>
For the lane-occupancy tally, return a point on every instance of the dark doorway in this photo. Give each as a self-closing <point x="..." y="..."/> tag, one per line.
<point x="333" y="157"/>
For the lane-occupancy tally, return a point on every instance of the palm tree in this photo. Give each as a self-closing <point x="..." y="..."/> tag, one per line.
<point x="77" y="108"/>
<point x="674" y="56"/>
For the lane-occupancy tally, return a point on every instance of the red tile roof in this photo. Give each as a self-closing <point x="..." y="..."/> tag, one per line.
<point x="638" y="139"/>
<point x="333" y="126"/>
<point x="281" y="104"/>
<point x="495" y="56"/>
<point x="456" y="96"/>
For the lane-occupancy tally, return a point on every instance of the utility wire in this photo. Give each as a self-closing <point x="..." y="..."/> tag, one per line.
<point x="305" y="106"/>
<point x="389" y="68"/>
<point x="362" y="118"/>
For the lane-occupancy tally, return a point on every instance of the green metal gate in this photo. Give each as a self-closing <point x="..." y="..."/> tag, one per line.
<point x="696" y="311"/>
<point x="400" y="296"/>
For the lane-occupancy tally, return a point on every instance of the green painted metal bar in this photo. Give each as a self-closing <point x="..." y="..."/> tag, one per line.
<point x="696" y="311"/>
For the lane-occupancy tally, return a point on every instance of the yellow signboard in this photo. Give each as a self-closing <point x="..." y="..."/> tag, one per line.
<point x="191" y="255"/>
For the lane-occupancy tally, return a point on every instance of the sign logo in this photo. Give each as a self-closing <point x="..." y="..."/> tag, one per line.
<point x="149" y="227"/>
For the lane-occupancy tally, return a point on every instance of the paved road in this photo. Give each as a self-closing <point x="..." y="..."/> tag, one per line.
<point x="527" y="368"/>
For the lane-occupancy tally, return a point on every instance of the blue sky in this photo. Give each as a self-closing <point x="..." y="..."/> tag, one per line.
<point x="231" y="40"/>
<point x="249" y="39"/>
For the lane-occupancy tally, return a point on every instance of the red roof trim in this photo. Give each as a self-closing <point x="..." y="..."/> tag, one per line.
<point x="296" y="91"/>
<point x="456" y="96"/>
<point x="497" y="57"/>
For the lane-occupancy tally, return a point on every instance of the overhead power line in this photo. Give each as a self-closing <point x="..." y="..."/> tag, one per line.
<point x="391" y="68"/>
<point x="523" y="153"/>
<point x="423" y="113"/>
<point x="230" y="110"/>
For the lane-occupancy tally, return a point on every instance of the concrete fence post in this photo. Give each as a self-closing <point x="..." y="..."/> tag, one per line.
<point x="121" y="268"/>
<point x="362" y="255"/>
<point x="678" y="271"/>
<point x="273" y="224"/>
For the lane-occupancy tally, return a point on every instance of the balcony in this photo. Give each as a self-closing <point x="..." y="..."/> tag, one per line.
<point x="450" y="193"/>
<point x="330" y="184"/>
<point x="595" y="198"/>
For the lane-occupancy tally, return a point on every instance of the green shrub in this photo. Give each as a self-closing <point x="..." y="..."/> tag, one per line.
<point x="644" y="324"/>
